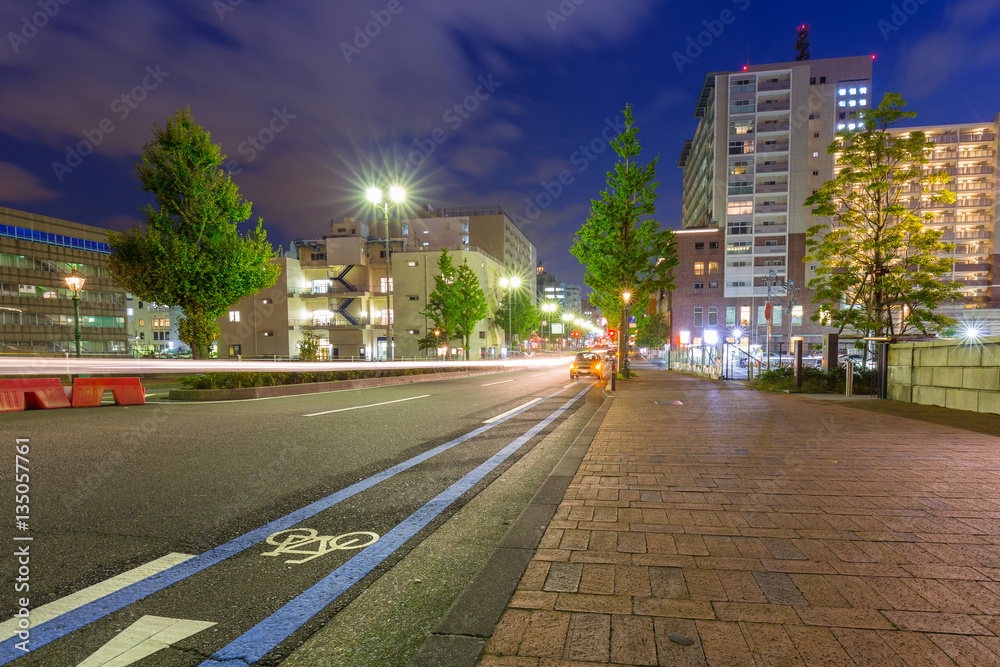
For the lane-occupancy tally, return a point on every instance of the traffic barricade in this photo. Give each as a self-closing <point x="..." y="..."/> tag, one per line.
<point x="42" y="393"/>
<point x="88" y="392"/>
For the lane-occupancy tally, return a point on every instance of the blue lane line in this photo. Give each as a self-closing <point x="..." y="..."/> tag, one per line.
<point x="82" y="616"/>
<point x="260" y="640"/>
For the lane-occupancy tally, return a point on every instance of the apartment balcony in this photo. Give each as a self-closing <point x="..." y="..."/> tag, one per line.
<point x="971" y="266"/>
<point x="772" y="208"/>
<point x="943" y="138"/>
<point x="771" y="229"/>
<point x="971" y="171"/>
<point x="772" y="106"/>
<point x="322" y="293"/>
<point x="766" y="270"/>
<point x="773" y="85"/>
<point x="763" y="128"/>
<point x="971" y="185"/>
<point x="772" y="148"/>
<point x="965" y="203"/>
<point x="770" y="249"/>
<point x="942" y="155"/>
<point x="334" y="321"/>
<point x="777" y="187"/>
<point x="772" y="168"/>
<point x="977" y="282"/>
<point x="983" y="136"/>
<point x="987" y="152"/>
<point x="973" y="235"/>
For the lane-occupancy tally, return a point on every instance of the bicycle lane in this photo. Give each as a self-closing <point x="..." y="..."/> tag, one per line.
<point x="214" y="605"/>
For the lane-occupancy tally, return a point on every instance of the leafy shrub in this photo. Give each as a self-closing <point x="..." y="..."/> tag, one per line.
<point x="814" y="380"/>
<point x="248" y="380"/>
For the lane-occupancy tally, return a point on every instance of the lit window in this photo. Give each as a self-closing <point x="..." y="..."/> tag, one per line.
<point x="842" y="103"/>
<point x="816" y="153"/>
<point x="863" y="91"/>
<point x="854" y="91"/>
<point x="234" y="316"/>
<point x="411" y="263"/>
<point x="863" y="102"/>
<point x="840" y="126"/>
<point x="852" y="103"/>
<point x="699" y="268"/>
<point x="130" y="312"/>
<point x="851" y="126"/>
<point x="842" y="91"/>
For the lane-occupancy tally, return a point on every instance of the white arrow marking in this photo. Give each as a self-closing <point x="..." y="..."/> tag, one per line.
<point x="144" y="638"/>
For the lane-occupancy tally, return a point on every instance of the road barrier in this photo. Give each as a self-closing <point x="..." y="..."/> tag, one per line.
<point x="48" y="393"/>
<point x="88" y="392"/>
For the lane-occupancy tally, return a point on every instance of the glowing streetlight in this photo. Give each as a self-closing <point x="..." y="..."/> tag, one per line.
<point x="397" y="195"/>
<point x="510" y="284"/>
<point x="623" y="338"/>
<point x="75" y="282"/>
<point x="549" y="307"/>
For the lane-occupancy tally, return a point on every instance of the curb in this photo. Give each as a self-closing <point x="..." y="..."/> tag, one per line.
<point x="462" y="634"/>
<point x="320" y="387"/>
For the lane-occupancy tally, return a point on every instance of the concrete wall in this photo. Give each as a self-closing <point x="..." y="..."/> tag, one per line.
<point x="951" y="374"/>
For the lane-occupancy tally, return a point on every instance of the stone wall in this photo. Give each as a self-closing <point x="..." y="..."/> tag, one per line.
<point x="951" y="374"/>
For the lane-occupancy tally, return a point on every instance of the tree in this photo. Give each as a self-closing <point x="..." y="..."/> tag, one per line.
<point x="524" y="317"/>
<point x="472" y="305"/>
<point x="190" y="253"/>
<point x="879" y="268"/>
<point x="621" y="247"/>
<point x="309" y="347"/>
<point x="652" y="330"/>
<point x="443" y="303"/>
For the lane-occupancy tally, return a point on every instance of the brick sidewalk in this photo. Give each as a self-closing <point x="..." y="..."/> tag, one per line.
<point x="770" y="530"/>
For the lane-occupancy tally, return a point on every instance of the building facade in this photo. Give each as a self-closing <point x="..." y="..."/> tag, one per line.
<point x="36" y="307"/>
<point x="759" y="151"/>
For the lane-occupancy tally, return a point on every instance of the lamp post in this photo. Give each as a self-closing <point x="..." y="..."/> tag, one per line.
<point x="397" y="195"/>
<point x="510" y="284"/>
<point x="623" y="335"/>
<point x="75" y="282"/>
<point x="549" y="307"/>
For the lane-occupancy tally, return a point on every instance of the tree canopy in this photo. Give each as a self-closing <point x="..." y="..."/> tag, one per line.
<point x="879" y="269"/>
<point x="189" y="252"/>
<point x="522" y="317"/>
<point x="620" y="246"/>
<point x="457" y="303"/>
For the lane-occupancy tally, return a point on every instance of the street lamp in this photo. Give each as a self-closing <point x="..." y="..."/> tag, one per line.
<point x="75" y="282"/>
<point x="396" y="195"/>
<point x="510" y="284"/>
<point x="549" y="307"/>
<point x="624" y="335"/>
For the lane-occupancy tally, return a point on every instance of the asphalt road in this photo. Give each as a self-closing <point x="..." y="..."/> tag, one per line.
<point x="276" y="513"/>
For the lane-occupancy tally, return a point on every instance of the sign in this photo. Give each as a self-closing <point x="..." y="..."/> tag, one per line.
<point x="144" y="638"/>
<point x="767" y="311"/>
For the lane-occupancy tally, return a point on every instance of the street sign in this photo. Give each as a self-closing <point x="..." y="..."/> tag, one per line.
<point x="767" y="311"/>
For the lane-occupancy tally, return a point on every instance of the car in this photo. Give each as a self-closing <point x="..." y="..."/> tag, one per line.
<point x="589" y="363"/>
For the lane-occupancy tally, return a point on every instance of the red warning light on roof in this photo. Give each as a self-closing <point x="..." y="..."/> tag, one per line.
<point x="873" y="56"/>
<point x="744" y="68"/>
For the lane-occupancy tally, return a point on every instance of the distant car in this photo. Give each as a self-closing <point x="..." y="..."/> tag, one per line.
<point x="589" y="363"/>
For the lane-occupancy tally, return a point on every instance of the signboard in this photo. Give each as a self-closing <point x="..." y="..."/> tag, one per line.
<point x="767" y="311"/>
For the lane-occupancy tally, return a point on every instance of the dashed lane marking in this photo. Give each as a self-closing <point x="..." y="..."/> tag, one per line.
<point x="370" y="405"/>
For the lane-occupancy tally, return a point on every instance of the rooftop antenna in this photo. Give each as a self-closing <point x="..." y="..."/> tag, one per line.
<point x="803" y="44"/>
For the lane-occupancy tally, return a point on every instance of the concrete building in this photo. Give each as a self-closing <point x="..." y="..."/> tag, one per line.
<point x="758" y="152"/>
<point x="336" y="288"/>
<point x="968" y="152"/>
<point x="153" y="329"/>
<point x="36" y="306"/>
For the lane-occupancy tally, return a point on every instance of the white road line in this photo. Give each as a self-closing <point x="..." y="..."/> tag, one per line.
<point x="539" y="375"/>
<point x="370" y="405"/>
<point x="512" y="410"/>
<point x="148" y="635"/>
<point x="570" y="384"/>
<point x="488" y="384"/>
<point x="49" y="611"/>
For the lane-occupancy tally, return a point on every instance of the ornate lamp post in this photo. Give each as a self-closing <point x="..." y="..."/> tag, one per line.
<point x="624" y="334"/>
<point x="75" y="282"/>
<point x="510" y="284"/>
<point x="397" y="195"/>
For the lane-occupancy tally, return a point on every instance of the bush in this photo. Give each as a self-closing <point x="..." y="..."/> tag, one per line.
<point x="814" y="380"/>
<point x="249" y="380"/>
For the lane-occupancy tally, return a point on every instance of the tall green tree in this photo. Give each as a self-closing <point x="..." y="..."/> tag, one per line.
<point x="443" y="307"/>
<point x="652" y="330"/>
<point x="473" y="307"/>
<point x="621" y="247"/>
<point x="189" y="252"/>
<point x="879" y="269"/>
<point x="523" y="316"/>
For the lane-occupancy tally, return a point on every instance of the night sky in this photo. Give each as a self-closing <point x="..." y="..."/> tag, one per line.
<point x="310" y="109"/>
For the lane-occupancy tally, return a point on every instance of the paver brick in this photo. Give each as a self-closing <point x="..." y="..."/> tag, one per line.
<point x="545" y="634"/>
<point x="588" y="638"/>
<point x="632" y="640"/>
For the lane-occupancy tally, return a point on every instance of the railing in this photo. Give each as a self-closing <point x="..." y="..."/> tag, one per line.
<point x="979" y="282"/>
<point x="333" y="289"/>
<point x="773" y="106"/>
<point x="774" y="85"/>
<point x="777" y="187"/>
<point x="979" y="266"/>
<point x="772" y="127"/>
<point x="769" y="249"/>
<point x="771" y="148"/>
<point x="943" y="138"/>
<point x="982" y="153"/>
<point x="973" y="185"/>
<point x="334" y="320"/>
<point x="974" y="202"/>
<point x="772" y="168"/>
<point x="772" y="208"/>
<point x="770" y="229"/>
<point x="968" y="171"/>
<point x="981" y="136"/>
<point x="766" y="270"/>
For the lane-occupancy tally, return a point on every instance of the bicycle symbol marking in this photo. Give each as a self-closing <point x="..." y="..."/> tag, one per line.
<point x="309" y="543"/>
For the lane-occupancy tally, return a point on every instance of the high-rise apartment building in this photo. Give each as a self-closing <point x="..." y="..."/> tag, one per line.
<point x="759" y="151"/>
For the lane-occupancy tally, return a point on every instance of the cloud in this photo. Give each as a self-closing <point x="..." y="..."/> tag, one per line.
<point x="19" y="186"/>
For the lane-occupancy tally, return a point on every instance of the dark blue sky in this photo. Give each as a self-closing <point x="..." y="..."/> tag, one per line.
<point x="330" y="110"/>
